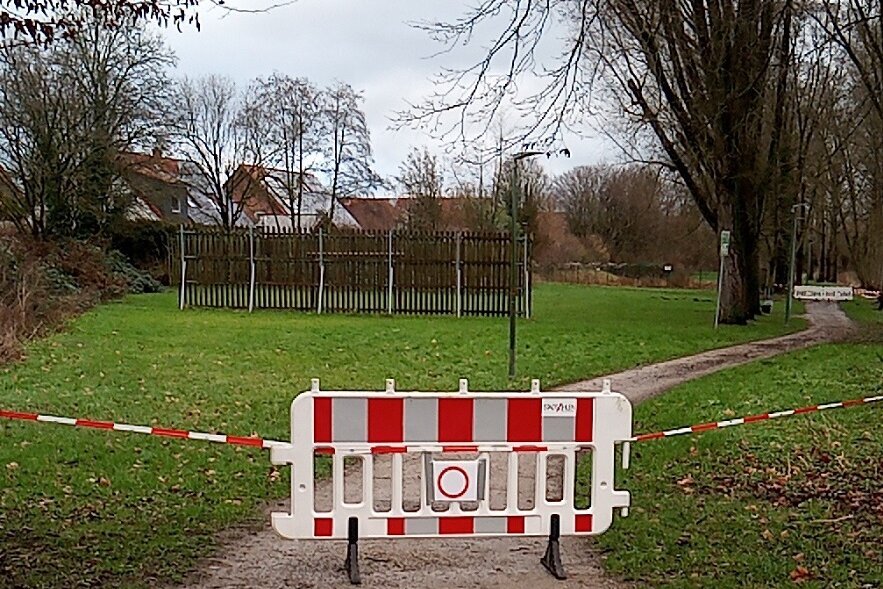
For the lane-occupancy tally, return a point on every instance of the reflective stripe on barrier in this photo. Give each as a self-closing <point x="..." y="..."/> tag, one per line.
<point x="429" y="435"/>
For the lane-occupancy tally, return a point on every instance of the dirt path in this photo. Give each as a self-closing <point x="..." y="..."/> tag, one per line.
<point x="263" y="559"/>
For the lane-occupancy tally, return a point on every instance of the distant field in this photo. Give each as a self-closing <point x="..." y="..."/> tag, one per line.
<point x="87" y="508"/>
<point x="764" y="505"/>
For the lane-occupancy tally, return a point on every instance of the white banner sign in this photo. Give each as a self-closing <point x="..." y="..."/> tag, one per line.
<point x="823" y="293"/>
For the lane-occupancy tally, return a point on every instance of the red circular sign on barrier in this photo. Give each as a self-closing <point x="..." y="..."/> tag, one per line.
<point x="456" y="478"/>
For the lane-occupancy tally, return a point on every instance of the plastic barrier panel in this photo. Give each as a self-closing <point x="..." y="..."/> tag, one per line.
<point x="415" y="464"/>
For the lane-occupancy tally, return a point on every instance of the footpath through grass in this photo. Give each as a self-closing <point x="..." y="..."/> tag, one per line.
<point x="86" y="508"/>
<point x="771" y="504"/>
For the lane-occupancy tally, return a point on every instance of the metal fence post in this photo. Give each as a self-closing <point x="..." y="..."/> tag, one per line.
<point x="459" y="277"/>
<point x="390" y="276"/>
<point x="321" y="273"/>
<point x="251" y="277"/>
<point x="183" y="287"/>
<point x="526" y="282"/>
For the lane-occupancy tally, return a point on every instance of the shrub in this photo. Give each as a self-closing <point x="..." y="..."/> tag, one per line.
<point x="145" y="244"/>
<point x="43" y="283"/>
<point x="137" y="281"/>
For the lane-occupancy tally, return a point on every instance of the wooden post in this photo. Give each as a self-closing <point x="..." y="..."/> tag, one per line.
<point x="459" y="276"/>
<point x="183" y="287"/>
<point x="390" y="276"/>
<point x="321" y="273"/>
<point x="251" y="269"/>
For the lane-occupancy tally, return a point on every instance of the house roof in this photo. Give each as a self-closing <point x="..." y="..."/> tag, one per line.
<point x="385" y="214"/>
<point x="154" y="165"/>
<point x="278" y="183"/>
<point x="269" y="195"/>
<point x="375" y="214"/>
<point x="156" y="172"/>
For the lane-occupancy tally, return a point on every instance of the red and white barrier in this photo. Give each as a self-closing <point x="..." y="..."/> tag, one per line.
<point x="432" y="426"/>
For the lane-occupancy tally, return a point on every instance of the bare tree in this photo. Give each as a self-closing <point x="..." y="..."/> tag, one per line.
<point x="66" y="112"/>
<point x="533" y="193"/>
<point x="577" y="193"/>
<point x="626" y="207"/>
<point x="855" y="27"/>
<point x="291" y="107"/>
<point x="421" y="180"/>
<point x="47" y="21"/>
<point x="347" y="154"/>
<point x="703" y="82"/>
<point x="218" y="131"/>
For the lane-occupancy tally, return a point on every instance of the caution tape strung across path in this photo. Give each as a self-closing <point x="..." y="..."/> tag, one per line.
<point x="145" y="429"/>
<point x="257" y="442"/>
<point x="704" y="427"/>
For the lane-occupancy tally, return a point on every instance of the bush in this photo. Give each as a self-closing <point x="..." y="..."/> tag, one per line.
<point x="145" y="244"/>
<point x="137" y="281"/>
<point x="43" y="283"/>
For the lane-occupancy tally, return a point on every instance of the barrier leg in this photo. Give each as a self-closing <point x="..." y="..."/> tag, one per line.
<point x="351" y="564"/>
<point x="552" y="559"/>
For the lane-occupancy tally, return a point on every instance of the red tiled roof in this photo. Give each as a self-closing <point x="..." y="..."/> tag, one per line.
<point x="376" y="214"/>
<point x="156" y="166"/>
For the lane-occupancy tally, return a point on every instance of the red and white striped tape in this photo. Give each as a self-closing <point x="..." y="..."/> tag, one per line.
<point x="257" y="442"/>
<point x="144" y="429"/>
<point x="704" y="427"/>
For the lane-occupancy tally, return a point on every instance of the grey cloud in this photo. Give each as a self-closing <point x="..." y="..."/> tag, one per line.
<point x="366" y="43"/>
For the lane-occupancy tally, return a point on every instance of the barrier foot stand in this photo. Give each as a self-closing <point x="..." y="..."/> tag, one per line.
<point x="351" y="564"/>
<point x="552" y="559"/>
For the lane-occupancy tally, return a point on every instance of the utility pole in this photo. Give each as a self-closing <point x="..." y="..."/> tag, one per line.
<point x="795" y="212"/>
<point x="513" y="252"/>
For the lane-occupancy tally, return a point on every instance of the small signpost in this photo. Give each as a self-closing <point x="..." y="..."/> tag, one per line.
<point x="725" y="244"/>
<point x="724" y="252"/>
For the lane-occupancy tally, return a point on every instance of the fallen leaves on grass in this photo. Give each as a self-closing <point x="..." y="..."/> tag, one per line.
<point x="851" y="488"/>
<point x="800" y="575"/>
<point x="686" y="484"/>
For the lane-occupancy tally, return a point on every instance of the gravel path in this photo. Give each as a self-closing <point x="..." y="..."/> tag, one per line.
<point x="249" y="558"/>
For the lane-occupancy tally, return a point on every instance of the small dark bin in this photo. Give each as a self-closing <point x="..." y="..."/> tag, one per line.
<point x="766" y="307"/>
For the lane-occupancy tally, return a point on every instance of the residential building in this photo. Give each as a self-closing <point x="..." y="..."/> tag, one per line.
<point x="168" y="189"/>
<point x="267" y="197"/>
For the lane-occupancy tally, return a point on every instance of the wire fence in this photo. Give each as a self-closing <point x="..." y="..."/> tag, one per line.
<point x="350" y="271"/>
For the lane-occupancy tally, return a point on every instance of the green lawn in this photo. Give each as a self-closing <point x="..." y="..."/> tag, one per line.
<point x="864" y="311"/>
<point x="771" y="504"/>
<point x="88" y="508"/>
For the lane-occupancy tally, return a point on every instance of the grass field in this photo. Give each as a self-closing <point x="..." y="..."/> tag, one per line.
<point x="86" y="508"/>
<point x="864" y="311"/>
<point x="772" y="504"/>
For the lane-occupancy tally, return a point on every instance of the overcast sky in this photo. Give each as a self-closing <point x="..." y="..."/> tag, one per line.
<point x="366" y="43"/>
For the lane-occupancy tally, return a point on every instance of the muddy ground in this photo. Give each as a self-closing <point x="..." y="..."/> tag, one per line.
<point x="260" y="558"/>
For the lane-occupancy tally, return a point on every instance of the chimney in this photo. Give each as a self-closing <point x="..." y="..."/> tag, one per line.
<point x="157" y="153"/>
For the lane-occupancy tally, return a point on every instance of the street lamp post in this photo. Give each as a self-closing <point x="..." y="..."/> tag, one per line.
<point x="513" y="253"/>
<point x="795" y="212"/>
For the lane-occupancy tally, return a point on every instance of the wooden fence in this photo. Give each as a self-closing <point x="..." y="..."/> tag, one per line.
<point x="349" y="271"/>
